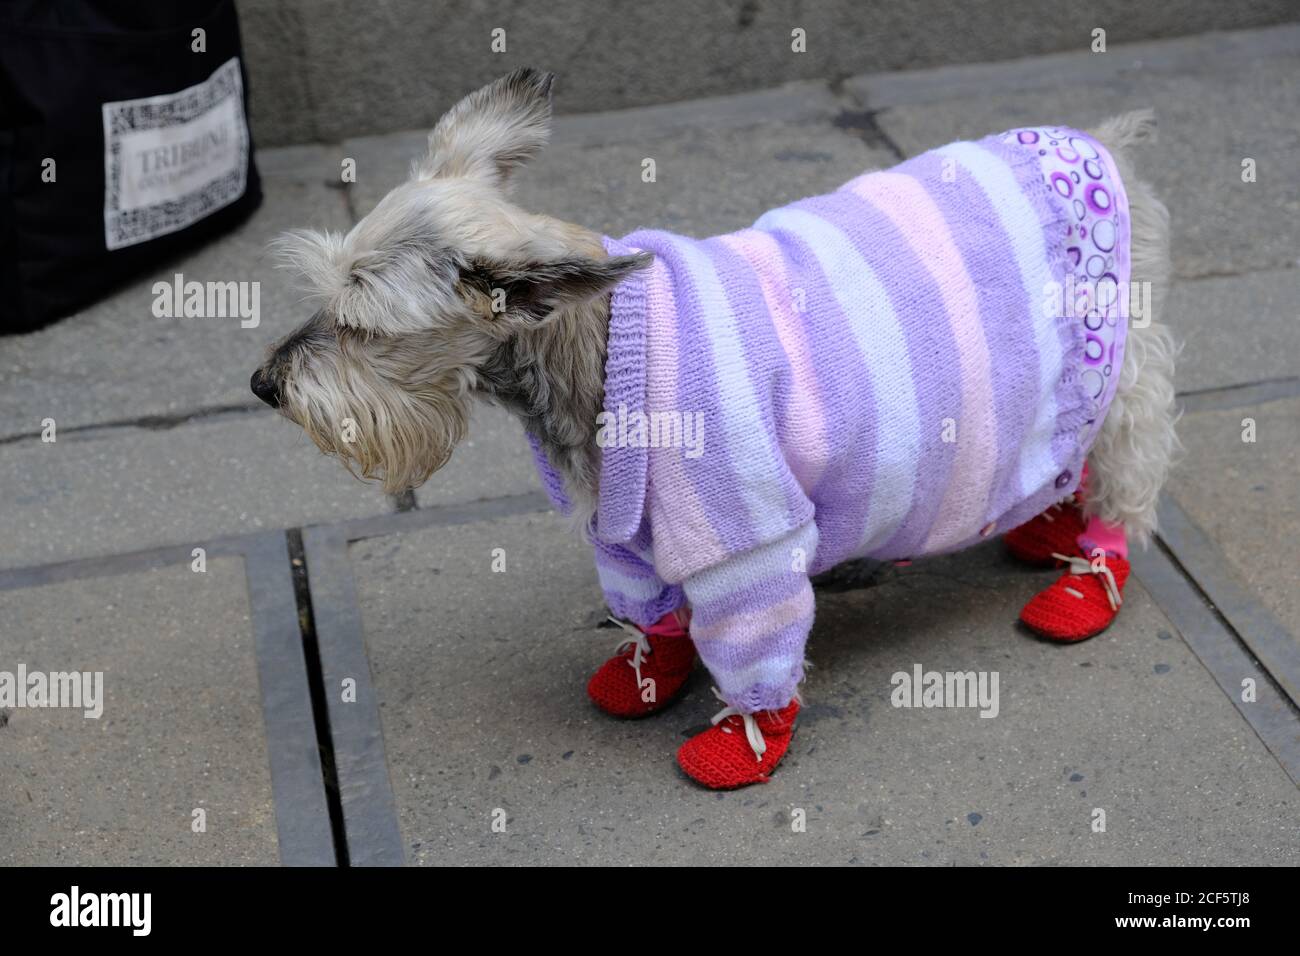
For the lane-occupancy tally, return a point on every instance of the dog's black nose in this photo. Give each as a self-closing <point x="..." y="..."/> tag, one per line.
<point x="265" y="389"/>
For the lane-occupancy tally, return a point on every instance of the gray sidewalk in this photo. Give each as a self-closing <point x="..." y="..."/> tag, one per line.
<point x="225" y="687"/>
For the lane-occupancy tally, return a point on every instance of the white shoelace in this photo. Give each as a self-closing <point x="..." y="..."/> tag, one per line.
<point x="638" y="641"/>
<point x="1081" y="566"/>
<point x="752" y="733"/>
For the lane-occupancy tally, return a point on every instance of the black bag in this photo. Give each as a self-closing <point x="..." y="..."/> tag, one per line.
<point x="120" y="144"/>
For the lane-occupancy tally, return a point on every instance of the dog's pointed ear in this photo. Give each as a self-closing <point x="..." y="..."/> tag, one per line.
<point x="511" y="296"/>
<point x="493" y="131"/>
<point x="314" y="258"/>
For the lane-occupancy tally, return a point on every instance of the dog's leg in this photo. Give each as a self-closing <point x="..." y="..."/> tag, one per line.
<point x="751" y="616"/>
<point x="1086" y="599"/>
<point x="650" y="668"/>
<point x="1055" y="531"/>
<point x="1136" y="442"/>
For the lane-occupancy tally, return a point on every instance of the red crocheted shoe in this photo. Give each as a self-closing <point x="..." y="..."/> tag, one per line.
<point x="648" y="669"/>
<point x="1055" y="530"/>
<point x="1083" y="601"/>
<point x="739" y="749"/>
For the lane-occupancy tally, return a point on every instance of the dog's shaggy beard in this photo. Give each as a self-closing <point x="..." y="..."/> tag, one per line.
<point x="349" y="405"/>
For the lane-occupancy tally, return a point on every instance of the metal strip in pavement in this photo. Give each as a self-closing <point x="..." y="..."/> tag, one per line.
<point x="1272" y="644"/>
<point x="297" y="784"/>
<point x="442" y="516"/>
<point x="1271" y="715"/>
<point x="353" y="529"/>
<point x="365" y="790"/>
<point x="302" y="816"/>
<point x="130" y="563"/>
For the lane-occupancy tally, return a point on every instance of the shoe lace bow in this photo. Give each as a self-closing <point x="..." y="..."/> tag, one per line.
<point x="752" y="733"/>
<point x="636" y="640"/>
<point x="1081" y="566"/>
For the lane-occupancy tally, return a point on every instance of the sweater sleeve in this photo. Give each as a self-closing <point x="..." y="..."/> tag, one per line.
<point x="632" y="589"/>
<point x="750" y="618"/>
<point x="552" y="483"/>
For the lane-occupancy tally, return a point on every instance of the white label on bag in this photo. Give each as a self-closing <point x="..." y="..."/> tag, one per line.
<point x="171" y="160"/>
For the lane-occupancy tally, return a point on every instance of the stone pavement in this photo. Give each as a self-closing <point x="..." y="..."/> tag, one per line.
<point x="348" y="680"/>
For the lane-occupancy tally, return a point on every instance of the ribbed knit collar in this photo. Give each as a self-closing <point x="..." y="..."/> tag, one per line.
<point x="623" y="469"/>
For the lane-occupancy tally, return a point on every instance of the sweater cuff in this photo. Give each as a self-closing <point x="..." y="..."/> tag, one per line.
<point x="750" y="618"/>
<point x="632" y="589"/>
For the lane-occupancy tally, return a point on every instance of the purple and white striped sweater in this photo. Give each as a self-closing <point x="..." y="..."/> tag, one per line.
<point x="876" y="374"/>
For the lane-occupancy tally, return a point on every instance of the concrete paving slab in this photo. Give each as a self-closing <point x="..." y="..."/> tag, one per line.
<point x="1212" y="115"/>
<point x="708" y="180"/>
<point x="710" y="177"/>
<point x="381" y="162"/>
<point x="1242" y="495"/>
<point x="181" y="728"/>
<point x="480" y="677"/>
<point x="493" y="461"/>
<point x="1236" y="329"/>
<point x="123" y="489"/>
<point x="1077" y="63"/>
<point x="324" y="69"/>
<point x="385" y="158"/>
<point x="1236" y="640"/>
<point x="116" y="361"/>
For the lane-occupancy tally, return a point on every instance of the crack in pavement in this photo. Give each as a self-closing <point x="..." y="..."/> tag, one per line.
<point x="148" y="422"/>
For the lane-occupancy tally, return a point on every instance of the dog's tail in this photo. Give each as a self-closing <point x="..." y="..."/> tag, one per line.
<point x="1127" y="129"/>
<point x="1137" y="443"/>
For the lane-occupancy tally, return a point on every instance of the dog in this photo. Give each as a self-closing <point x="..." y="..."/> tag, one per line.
<point x="926" y="357"/>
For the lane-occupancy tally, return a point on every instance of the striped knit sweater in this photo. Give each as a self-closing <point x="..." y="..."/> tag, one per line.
<point x="870" y="372"/>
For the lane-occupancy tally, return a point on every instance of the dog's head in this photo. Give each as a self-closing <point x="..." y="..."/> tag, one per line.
<point x="426" y="290"/>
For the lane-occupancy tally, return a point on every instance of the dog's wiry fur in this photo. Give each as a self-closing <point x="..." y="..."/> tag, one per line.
<point x="447" y="290"/>
<point x="1131" y="456"/>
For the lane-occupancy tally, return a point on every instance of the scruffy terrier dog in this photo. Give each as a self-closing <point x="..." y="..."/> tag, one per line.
<point x="963" y="345"/>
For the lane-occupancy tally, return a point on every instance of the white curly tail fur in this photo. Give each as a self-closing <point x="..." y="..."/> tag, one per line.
<point x="1137" y="443"/>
